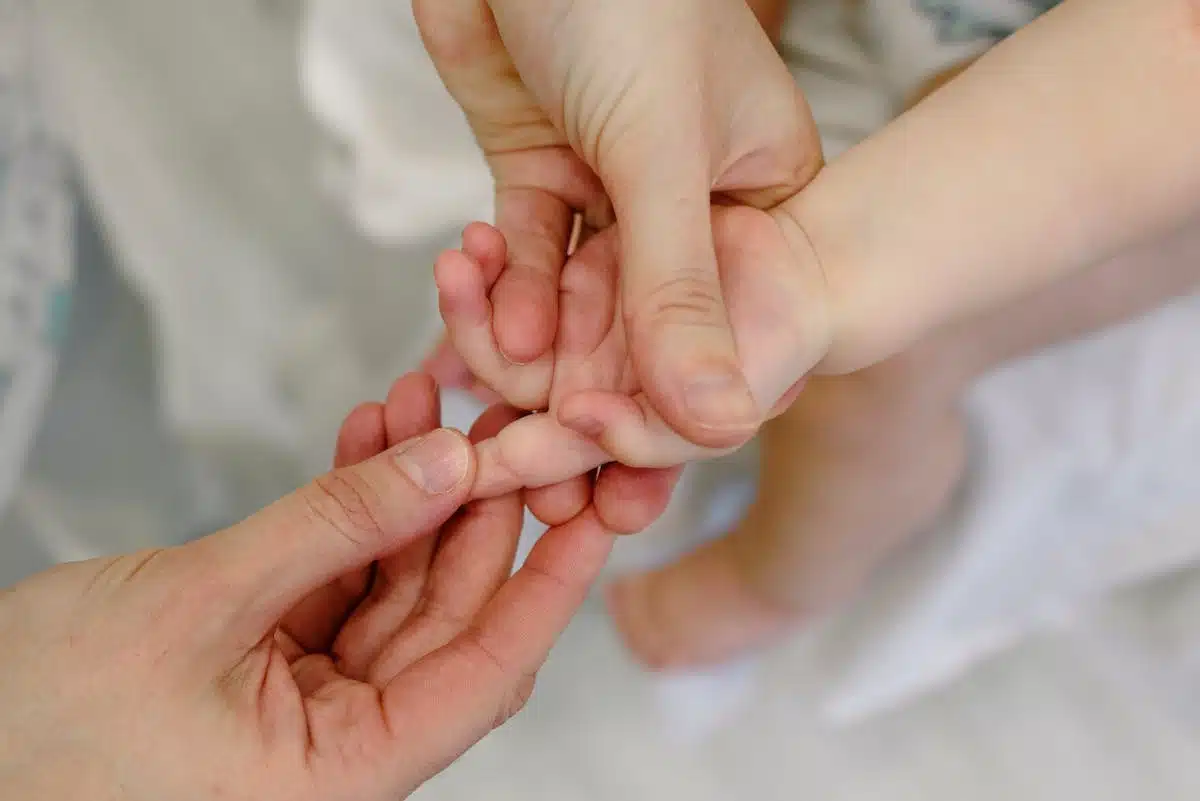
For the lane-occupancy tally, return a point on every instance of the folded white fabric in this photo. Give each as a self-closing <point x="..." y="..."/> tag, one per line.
<point x="404" y="159"/>
<point x="272" y="315"/>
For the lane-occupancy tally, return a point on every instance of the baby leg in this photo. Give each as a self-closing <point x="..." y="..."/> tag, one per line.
<point x="862" y="463"/>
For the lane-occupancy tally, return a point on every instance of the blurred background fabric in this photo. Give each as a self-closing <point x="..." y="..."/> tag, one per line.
<point x="258" y="190"/>
<point x="1084" y="481"/>
<point x="267" y="315"/>
<point x="36" y="256"/>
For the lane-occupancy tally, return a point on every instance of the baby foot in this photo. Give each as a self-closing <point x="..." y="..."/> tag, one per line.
<point x="856" y="468"/>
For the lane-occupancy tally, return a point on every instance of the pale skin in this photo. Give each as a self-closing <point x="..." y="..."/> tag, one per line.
<point x="345" y="644"/>
<point x="917" y="237"/>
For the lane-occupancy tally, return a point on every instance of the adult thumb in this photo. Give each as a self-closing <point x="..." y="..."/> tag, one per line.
<point x="681" y="341"/>
<point x="340" y="522"/>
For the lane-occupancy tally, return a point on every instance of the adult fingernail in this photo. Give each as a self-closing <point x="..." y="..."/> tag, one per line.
<point x="437" y="462"/>
<point x="719" y="399"/>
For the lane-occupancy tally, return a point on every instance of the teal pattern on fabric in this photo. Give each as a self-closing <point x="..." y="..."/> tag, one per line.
<point x="958" y="21"/>
<point x="36" y="242"/>
<point x="58" y="316"/>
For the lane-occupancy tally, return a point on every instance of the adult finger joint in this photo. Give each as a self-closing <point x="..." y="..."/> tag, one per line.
<point x="691" y="298"/>
<point x="342" y="505"/>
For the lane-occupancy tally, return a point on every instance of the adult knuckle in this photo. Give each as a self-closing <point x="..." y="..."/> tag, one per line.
<point x="345" y="505"/>
<point x="691" y="297"/>
<point x="484" y="652"/>
<point x="441" y="613"/>
<point x="552" y="580"/>
<point x="515" y="702"/>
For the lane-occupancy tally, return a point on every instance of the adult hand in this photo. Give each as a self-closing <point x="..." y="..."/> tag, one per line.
<point x="656" y="106"/>
<point x="347" y="642"/>
<point x="598" y="411"/>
